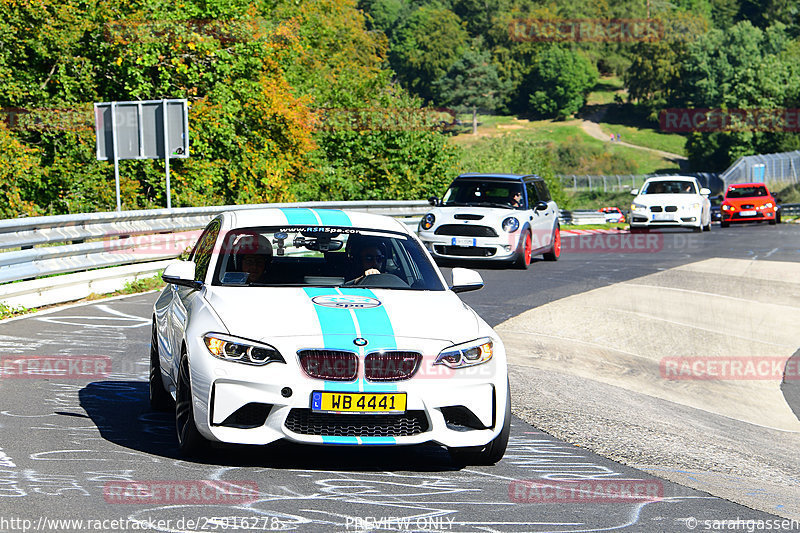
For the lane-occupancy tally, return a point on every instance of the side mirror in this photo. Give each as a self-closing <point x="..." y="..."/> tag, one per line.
<point x="634" y="191"/>
<point x="465" y="280"/>
<point x="705" y="191"/>
<point x="181" y="273"/>
<point x="433" y="200"/>
<point x="540" y="206"/>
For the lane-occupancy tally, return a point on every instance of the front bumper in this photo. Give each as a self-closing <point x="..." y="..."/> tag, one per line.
<point x="670" y="220"/>
<point x="236" y="403"/>
<point x="760" y="216"/>
<point x="502" y="248"/>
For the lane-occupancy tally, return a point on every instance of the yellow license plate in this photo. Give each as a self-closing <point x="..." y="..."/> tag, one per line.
<point x="355" y="402"/>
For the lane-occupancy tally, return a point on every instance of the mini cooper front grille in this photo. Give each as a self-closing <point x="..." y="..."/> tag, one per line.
<point x="467" y="217"/>
<point x="671" y="208"/>
<point x="464" y="251"/>
<point x="465" y="230"/>
<point x="331" y="365"/>
<point x="307" y="422"/>
<point x="391" y="366"/>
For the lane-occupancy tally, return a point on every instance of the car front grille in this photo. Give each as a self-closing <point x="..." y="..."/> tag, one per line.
<point x="465" y="230"/>
<point x="391" y="366"/>
<point x="671" y="208"/>
<point x="655" y="208"/>
<point x="307" y="422"/>
<point x="466" y="216"/>
<point x="464" y="251"/>
<point x="331" y="365"/>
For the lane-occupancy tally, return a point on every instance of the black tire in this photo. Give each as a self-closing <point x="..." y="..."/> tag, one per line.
<point x="639" y="230"/>
<point x="555" y="251"/>
<point x="778" y="217"/>
<point x="492" y="452"/>
<point x="773" y="222"/>
<point x="708" y="227"/>
<point x="190" y="442"/>
<point x="160" y="400"/>
<point x="523" y="259"/>
<point x="724" y="224"/>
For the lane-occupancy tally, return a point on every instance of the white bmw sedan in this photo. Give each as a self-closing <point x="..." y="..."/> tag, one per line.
<point x="671" y="202"/>
<point x="325" y="327"/>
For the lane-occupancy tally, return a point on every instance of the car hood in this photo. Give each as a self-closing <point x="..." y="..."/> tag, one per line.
<point x="260" y="313"/>
<point x="668" y="199"/>
<point x="756" y="200"/>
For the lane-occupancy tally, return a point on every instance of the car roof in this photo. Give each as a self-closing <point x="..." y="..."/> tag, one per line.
<point x="300" y="216"/>
<point x="756" y="184"/>
<point x="515" y="177"/>
<point x="672" y="178"/>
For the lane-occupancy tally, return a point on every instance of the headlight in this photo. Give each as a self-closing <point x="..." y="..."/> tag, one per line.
<point x="241" y="350"/>
<point x="510" y="224"/>
<point x="468" y="354"/>
<point x="692" y="207"/>
<point x="427" y="221"/>
<point x="726" y="207"/>
<point x="638" y="207"/>
<point x="767" y="205"/>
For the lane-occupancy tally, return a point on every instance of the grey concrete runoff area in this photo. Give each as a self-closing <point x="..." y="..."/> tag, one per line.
<point x="590" y="339"/>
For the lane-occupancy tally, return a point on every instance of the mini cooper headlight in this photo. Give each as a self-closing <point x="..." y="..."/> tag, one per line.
<point x="427" y="221"/>
<point x="468" y="354"/>
<point x="238" y="350"/>
<point x="510" y="224"/>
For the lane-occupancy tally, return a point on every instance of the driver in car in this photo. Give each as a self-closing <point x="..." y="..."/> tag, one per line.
<point x="369" y="260"/>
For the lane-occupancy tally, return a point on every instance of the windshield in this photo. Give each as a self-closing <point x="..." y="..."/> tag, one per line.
<point x="485" y="193"/>
<point x="670" y="187"/>
<point x="323" y="256"/>
<point x="746" y="192"/>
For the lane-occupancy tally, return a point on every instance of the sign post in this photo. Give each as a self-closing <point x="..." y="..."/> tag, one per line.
<point x="147" y="129"/>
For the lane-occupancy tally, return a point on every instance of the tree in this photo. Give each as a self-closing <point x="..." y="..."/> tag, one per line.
<point x="471" y="83"/>
<point x="425" y="46"/>
<point x="560" y="82"/>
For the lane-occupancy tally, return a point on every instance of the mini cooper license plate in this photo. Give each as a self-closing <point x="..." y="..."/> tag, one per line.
<point x="350" y="402"/>
<point x="463" y="241"/>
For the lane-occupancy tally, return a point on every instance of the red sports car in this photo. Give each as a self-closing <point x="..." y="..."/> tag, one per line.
<point x="748" y="202"/>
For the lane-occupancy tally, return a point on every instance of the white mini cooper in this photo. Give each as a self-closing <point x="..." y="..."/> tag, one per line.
<point x="493" y="217"/>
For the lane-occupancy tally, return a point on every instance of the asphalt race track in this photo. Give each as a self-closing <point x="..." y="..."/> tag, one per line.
<point x="70" y="447"/>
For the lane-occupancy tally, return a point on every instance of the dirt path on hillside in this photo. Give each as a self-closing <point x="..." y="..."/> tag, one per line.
<point x="591" y="126"/>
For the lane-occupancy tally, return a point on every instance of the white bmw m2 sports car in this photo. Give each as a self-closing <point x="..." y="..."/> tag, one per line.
<point x="325" y="327"/>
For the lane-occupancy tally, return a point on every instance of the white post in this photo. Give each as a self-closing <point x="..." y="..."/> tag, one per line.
<point x="166" y="150"/>
<point x="114" y="151"/>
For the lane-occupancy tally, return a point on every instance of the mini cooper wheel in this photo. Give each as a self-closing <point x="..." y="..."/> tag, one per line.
<point x="160" y="400"/>
<point x="523" y="260"/>
<point x="190" y="442"/>
<point x="492" y="452"/>
<point x="555" y="251"/>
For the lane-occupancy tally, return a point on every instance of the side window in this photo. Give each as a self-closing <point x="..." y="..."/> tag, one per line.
<point x="533" y="194"/>
<point x="201" y="255"/>
<point x="544" y="194"/>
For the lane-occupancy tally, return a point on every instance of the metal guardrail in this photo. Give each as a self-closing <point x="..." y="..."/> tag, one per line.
<point x="790" y="210"/>
<point x="130" y="244"/>
<point x="583" y="216"/>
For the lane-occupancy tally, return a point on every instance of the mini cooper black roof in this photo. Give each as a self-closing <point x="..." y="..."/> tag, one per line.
<point x="525" y="178"/>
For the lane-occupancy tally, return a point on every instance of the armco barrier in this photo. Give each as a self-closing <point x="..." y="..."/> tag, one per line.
<point x="115" y="241"/>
